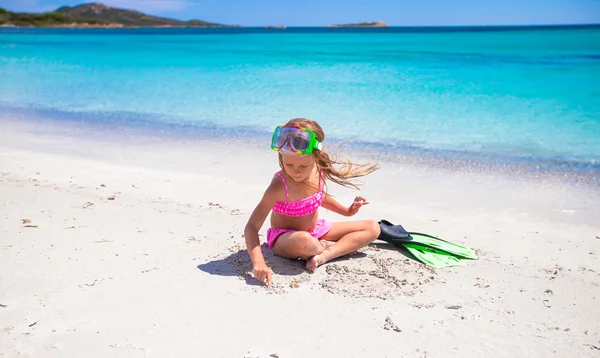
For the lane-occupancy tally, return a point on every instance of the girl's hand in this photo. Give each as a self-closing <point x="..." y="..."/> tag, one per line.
<point x="359" y="201"/>
<point x="262" y="272"/>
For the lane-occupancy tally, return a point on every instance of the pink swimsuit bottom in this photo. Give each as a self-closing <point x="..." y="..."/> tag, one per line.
<point x="323" y="226"/>
<point x="299" y="208"/>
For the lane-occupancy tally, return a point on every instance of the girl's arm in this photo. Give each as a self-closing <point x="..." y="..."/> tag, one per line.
<point x="330" y="203"/>
<point x="257" y="219"/>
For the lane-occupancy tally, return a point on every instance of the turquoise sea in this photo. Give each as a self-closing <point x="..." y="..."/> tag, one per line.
<point x="505" y="95"/>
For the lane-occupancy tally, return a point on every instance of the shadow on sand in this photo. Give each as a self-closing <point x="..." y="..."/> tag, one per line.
<point x="238" y="264"/>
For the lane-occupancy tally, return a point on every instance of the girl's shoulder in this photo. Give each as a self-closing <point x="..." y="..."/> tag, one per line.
<point x="278" y="185"/>
<point x="279" y="178"/>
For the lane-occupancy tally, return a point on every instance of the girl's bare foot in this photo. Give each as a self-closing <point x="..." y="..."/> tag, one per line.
<point x="323" y="257"/>
<point x="315" y="261"/>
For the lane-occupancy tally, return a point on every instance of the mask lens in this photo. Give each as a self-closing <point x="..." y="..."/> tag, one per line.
<point x="300" y="140"/>
<point x="280" y="137"/>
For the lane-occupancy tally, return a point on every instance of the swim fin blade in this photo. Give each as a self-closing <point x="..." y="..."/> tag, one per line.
<point x="433" y="257"/>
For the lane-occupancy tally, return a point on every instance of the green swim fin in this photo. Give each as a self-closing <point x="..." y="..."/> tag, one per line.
<point x="396" y="235"/>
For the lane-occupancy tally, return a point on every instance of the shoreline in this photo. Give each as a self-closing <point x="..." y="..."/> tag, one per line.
<point x="527" y="167"/>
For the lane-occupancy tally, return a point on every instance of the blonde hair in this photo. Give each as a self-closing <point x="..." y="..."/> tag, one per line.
<point x="346" y="171"/>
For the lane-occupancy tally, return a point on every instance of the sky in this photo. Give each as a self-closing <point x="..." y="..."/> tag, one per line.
<point x="325" y="12"/>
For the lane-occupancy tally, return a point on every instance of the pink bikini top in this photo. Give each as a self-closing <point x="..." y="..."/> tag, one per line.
<point x="301" y="207"/>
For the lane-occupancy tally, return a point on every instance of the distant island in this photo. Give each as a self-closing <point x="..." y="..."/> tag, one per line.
<point x="363" y="24"/>
<point x="95" y="15"/>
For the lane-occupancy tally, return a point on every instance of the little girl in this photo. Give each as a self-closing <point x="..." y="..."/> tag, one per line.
<point x="294" y="196"/>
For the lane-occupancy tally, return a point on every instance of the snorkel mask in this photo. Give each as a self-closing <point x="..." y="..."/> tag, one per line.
<point x="295" y="140"/>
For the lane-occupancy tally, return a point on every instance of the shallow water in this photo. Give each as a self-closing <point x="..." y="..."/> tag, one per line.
<point x="525" y="96"/>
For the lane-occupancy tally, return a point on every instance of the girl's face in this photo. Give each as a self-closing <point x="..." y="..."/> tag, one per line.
<point x="298" y="167"/>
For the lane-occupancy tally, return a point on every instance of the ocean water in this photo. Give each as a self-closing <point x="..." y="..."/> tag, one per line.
<point x="520" y="95"/>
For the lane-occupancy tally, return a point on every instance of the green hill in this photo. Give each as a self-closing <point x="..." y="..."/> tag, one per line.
<point x="40" y="20"/>
<point x="100" y="12"/>
<point x="95" y="15"/>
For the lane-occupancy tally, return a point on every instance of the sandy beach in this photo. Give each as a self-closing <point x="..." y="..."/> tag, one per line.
<point x="134" y="248"/>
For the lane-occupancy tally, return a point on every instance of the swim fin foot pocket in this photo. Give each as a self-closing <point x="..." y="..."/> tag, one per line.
<point x="392" y="233"/>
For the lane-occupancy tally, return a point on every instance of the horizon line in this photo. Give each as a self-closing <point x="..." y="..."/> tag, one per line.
<point x="429" y="26"/>
<point x="274" y="27"/>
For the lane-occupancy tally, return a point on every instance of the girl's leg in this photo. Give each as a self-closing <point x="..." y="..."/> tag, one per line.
<point x="297" y="244"/>
<point x="350" y="236"/>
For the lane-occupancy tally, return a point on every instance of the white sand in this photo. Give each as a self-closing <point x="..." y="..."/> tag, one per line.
<point x="136" y="250"/>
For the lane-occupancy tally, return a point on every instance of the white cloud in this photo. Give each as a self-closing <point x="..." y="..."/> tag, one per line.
<point x="150" y="5"/>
